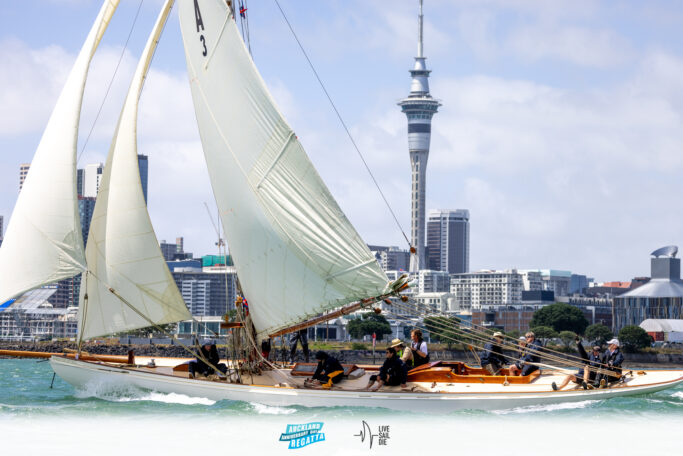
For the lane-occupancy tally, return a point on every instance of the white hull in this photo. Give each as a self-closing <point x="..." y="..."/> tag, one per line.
<point x="83" y="374"/>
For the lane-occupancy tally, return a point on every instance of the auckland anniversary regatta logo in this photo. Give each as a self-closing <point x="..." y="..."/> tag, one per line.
<point x="301" y="435"/>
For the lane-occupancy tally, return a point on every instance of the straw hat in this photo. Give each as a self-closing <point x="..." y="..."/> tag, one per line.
<point x="396" y="343"/>
<point x="498" y="334"/>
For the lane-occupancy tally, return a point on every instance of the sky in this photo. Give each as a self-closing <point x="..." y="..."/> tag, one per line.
<point x="560" y="130"/>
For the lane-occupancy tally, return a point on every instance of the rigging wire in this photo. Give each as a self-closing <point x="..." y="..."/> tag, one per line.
<point x="341" y="120"/>
<point x="111" y="81"/>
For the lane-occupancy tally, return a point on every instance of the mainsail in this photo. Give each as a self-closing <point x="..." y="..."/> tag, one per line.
<point x="128" y="283"/>
<point x="296" y="253"/>
<point x="43" y="243"/>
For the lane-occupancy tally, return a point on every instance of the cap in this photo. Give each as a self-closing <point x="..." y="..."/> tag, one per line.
<point x="321" y="355"/>
<point x="498" y="334"/>
<point x="522" y="338"/>
<point x="614" y="341"/>
<point x="396" y="343"/>
<point x="596" y="348"/>
<point x="207" y="342"/>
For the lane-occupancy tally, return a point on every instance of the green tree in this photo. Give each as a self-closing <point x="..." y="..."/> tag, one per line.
<point x="598" y="333"/>
<point x="567" y="337"/>
<point x="560" y="317"/>
<point x="544" y="332"/>
<point x="515" y="333"/>
<point x="443" y="329"/>
<point x="368" y="324"/>
<point x="633" y="338"/>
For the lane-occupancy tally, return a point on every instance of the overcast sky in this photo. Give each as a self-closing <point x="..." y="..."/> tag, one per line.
<point x="560" y="129"/>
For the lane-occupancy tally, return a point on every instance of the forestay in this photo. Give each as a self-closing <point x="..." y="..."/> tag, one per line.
<point x="43" y="243"/>
<point x="295" y="251"/>
<point x="122" y="250"/>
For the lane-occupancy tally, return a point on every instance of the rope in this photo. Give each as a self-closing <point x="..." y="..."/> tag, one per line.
<point x="341" y="120"/>
<point x="111" y="81"/>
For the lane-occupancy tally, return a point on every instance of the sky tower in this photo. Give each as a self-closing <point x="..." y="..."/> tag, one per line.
<point x="419" y="108"/>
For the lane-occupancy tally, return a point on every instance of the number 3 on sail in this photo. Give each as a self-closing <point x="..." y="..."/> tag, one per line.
<point x="200" y="23"/>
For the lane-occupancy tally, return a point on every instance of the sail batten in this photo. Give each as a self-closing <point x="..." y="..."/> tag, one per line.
<point x="296" y="253"/>
<point x="43" y="243"/>
<point x="131" y="286"/>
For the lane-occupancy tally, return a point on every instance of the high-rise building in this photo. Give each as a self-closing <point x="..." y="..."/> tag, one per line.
<point x="92" y="175"/>
<point x="143" y="165"/>
<point x="208" y="291"/>
<point x="487" y="289"/>
<point x="391" y="258"/>
<point x="79" y="181"/>
<point x="2" y="227"/>
<point x="86" y="207"/>
<point x="419" y="108"/>
<point x="23" y="172"/>
<point x="448" y="241"/>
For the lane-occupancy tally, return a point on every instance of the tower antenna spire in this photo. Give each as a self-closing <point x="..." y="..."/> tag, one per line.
<point x="419" y="32"/>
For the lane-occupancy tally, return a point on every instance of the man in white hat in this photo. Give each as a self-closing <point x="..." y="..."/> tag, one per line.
<point x="612" y="358"/>
<point x="492" y="358"/>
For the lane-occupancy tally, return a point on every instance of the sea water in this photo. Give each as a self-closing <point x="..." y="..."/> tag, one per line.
<point x="37" y="419"/>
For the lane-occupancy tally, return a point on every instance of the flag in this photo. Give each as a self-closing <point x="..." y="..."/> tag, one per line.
<point x="243" y="10"/>
<point x="245" y="306"/>
<point x="374" y="340"/>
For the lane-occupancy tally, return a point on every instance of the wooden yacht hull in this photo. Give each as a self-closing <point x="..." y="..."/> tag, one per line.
<point x="83" y="374"/>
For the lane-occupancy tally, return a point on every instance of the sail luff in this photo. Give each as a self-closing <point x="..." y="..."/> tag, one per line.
<point x="43" y="243"/>
<point x="295" y="251"/>
<point x="129" y="283"/>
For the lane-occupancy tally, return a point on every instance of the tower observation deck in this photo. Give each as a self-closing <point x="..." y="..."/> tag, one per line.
<point x="419" y="108"/>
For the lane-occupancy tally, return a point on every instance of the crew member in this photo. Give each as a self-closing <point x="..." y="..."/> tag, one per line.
<point x="298" y="336"/>
<point x="418" y="348"/>
<point x="529" y="357"/>
<point x="208" y="352"/>
<point x="329" y="371"/>
<point x="492" y="358"/>
<point x="611" y="360"/>
<point x="585" y="375"/>
<point x="392" y="373"/>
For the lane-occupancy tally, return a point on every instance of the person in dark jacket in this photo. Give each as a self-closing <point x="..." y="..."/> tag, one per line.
<point x="208" y="352"/>
<point x="393" y="372"/>
<point x="329" y="371"/>
<point x="492" y="358"/>
<point x="525" y="365"/>
<point x="298" y="336"/>
<point x="612" y="360"/>
<point x="585" y="375"/>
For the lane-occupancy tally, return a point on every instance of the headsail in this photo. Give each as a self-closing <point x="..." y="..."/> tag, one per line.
<point x="43" y="243"/>
<point x="124" y="259"/>
<point x="295" y="251"/>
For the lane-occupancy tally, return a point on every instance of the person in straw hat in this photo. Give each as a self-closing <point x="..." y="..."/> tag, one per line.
<point x="492" y="358"/>
<point x="405" y="355"/>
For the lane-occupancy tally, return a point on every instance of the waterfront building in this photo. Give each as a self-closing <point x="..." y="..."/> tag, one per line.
<point x="660" y="298"/>
<point x="448" y="241"/>
<point x="487" y="289"/>
<point x="664" y="330"/>
<point x="32" y="317"/>
<point x="419" y="107"/>
<point x="553" y="280"/>
<point x="79" y="181"/>
<point x="441" y="302"/>
<point x="92" y="175"/>
<point x="391" y="258"/>
<point x="209" y="291"/>
<point x="577" y="284"/>
<point x="23" y="172"/>
<point x="433" y="281"/>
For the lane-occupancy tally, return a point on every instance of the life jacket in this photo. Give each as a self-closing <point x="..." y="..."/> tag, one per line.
<point x="417" y="359"/>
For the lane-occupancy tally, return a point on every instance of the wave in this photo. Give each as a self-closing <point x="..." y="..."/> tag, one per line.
<point x="114" y="392"/>
<point x="546" y="408"/>
<point x="270" y="409"/>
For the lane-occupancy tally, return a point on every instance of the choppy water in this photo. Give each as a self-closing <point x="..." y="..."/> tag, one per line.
<point x="35" y="419"/>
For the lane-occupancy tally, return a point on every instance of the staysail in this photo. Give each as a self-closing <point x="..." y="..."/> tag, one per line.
<point x="43" y="243"/>
<point x="295" y="251"/>
<point x="128" y="283"/>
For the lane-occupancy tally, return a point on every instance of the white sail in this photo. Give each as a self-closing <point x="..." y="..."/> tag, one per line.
<point x="43" y="243"/>
<point x="128" y="283"/>
<point x="295" y="251"/>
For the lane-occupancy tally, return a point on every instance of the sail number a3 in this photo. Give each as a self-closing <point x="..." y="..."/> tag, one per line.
<point x="200" y="23"/>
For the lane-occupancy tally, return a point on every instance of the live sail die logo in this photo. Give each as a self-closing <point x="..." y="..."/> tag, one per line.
<point x="301" y="435"/>
<point x="366" y="434"/>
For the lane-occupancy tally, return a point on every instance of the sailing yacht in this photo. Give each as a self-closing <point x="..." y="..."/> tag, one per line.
<point x="296" y="253"/>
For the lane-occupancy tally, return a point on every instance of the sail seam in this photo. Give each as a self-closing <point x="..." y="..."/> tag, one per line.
<point x="276" y="159"/>
<point x="350" y="269"/>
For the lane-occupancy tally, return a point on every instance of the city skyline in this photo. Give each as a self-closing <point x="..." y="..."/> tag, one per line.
<point x="560" y="129"/>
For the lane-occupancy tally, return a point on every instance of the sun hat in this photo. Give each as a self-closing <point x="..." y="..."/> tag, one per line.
<point x="396" y="343"/>
<point x="498" y="334"/>
<point x="522" y="338"/>
<point x="596" y="348"/>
